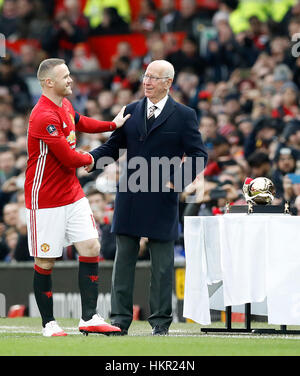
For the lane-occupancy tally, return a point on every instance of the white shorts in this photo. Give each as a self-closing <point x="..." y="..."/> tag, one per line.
<point x="50" y="230"/>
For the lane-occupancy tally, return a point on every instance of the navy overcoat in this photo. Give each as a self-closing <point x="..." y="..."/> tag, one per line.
<point x="143" y="209"/>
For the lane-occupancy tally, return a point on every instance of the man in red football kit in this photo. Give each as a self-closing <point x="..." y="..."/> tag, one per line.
<point x="57" y="210"/>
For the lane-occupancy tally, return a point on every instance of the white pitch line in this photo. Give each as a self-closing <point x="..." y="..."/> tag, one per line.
<point x="30" y="330"/>
<point x="173" y="333"/>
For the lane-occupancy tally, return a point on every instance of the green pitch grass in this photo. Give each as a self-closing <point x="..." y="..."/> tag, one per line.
<point x="22" y="337"/>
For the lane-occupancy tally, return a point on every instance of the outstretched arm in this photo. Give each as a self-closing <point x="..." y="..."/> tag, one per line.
<point x="89" y="125"/>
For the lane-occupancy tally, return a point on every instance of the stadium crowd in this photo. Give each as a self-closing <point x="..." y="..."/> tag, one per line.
<point x="237" y="66"/>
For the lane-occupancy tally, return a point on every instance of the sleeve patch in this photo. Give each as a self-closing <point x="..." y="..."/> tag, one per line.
<point x="52" y="130"/>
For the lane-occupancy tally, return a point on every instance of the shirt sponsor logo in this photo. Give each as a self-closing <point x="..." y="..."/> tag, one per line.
<point x="72" y="139"/>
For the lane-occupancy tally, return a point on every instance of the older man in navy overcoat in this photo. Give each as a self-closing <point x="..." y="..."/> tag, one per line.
<point x="146" y="205"/>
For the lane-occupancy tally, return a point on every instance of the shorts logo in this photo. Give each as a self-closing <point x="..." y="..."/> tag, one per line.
<point x="45" y="247"/>
<point x="52" y="130"/>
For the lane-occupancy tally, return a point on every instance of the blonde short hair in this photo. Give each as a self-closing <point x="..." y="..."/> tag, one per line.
<point x="46" y="66"/>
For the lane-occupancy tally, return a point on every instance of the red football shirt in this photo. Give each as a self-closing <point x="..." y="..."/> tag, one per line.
<point x="51" y="179"/>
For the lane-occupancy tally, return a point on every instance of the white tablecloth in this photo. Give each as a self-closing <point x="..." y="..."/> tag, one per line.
<point x="256" y="256"/>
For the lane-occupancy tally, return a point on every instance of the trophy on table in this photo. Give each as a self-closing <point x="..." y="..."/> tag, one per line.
<point x="259" y="194"/>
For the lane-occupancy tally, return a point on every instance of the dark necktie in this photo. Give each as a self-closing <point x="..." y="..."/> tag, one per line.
<point x="151" y="117"/>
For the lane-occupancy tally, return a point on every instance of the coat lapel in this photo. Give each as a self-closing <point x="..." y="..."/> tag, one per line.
<point x="139" y="117"/>
<point x="166" y="112"/>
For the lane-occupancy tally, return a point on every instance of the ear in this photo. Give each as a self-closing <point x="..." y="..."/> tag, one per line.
<point x="49" y="82"/>
<point x="169" y="82"/>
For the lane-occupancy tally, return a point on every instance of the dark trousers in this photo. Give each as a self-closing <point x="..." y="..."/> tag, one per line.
<point x="161" y="285"/>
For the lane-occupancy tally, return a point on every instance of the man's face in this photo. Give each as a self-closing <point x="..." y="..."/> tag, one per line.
<point x="208" y="127"/>
<point x="97" y="201"/>
<point x="286" y="163"/>
<point x="62" y="81"/>
<point x="155" y="82"/>
<point x="7" y="161"/>
<point x="11" y="214"/>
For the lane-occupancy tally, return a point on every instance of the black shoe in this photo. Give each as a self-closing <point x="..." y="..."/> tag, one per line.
<point x="123" y="331"/>
<point x="160" y="331"/>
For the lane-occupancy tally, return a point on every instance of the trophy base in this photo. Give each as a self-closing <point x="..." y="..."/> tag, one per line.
<point x="257" y="209"/>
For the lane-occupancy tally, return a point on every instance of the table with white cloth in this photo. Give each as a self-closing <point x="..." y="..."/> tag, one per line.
<point x="257" y="258"/>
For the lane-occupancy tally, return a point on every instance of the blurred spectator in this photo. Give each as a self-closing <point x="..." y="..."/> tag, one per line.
<point x="208" y="128"/>
<point x="167" y="16"/>
<point x="289" y="107"/>
<point x="226" y="52"/>
<point x="258" y="33"/>
<point x="278" y="47"/>
<point x="123" y="50"/>
<point x="18" y="89"/>
<point x="187" y="83"/>
<point x="123" y="97"/>
<point x="19" y="126"/>
<point x="290" y="191"/>
<point x="232" y="104"/>
<point x="14" y="243"/>
<point x="290" y="136"/>
<point x="32" y="19"/>
<point x="6" y="126"/>
<point x="11" y="214"/>
<point x="281" y="74"/>
<point x="93" y="10"/>
<point x="119" y="74"/>
<point x="7" y="165"/>
<point x="103" y="217"/>
<point x="92" y="108"/>
<point x="260" y="165"/>
<point x="28" y="60"/>
<point x="146" y="19"/>
<point x="112" y="23"/>
<point x="285" y="163"/>
<point x="9" y="18"/>
<point x="188" y="58"/>
<point x="263" y="133"/>
<point x="69" y="28"/>
<point x="83" y="61"/>
<point x="204" y="103"/>
<point x="156" y="50"/>
<point x="188" y="19"/>
<point x="106" y="100"/>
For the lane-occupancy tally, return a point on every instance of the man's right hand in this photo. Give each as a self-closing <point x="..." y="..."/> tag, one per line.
<point x="88" y="168"/>
<point x="120" y="119"/>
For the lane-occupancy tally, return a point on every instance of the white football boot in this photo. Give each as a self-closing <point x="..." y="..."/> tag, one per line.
<point x="97" y="325"/>
<point x="52" y="329"/>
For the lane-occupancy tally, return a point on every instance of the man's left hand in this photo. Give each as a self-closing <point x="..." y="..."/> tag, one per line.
<point x="120" y="118"/>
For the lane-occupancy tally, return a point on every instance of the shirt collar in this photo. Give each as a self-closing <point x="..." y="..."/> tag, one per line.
<point x="160" y="105"/>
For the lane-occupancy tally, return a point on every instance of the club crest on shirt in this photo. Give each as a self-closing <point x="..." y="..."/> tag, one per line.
<point x="52" y="130"/>
<point x="45" y="247"/>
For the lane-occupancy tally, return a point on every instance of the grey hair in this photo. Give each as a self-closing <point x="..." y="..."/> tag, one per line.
<point x="168" y="68"/>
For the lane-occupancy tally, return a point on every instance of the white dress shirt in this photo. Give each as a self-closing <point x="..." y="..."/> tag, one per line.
<point x="159" y="105"/>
